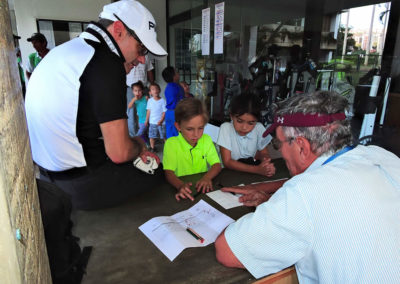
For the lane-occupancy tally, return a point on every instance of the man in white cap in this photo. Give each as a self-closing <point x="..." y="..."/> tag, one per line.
<point x="76" y="109"/>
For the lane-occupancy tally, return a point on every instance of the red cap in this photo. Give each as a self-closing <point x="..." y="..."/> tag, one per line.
<point x="303" y="120"/>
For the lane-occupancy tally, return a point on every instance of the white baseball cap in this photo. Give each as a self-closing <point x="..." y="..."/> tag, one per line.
<point x="137" y="18"/>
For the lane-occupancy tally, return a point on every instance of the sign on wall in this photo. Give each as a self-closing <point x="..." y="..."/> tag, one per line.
<point x="219" y="28"/>
<point x="205" y="32"/>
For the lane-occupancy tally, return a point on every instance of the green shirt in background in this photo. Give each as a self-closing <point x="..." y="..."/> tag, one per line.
<point x="21" y="69"/>
<point x="34" y="60"/>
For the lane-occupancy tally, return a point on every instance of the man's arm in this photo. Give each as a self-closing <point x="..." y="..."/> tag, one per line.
<point x="255" y="194"/>
<point x="224" y="253"/>
<point x="150" y="76"/>
<point x="267" y="186"/>
<point x="119" y="146"/>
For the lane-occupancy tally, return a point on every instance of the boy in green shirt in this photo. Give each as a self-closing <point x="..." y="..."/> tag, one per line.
<point x="190" y="152"/>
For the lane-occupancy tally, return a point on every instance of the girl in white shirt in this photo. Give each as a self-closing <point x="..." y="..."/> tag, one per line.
<point x="241" y="143"/>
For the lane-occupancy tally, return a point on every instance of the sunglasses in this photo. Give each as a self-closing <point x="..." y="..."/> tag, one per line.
<point x="143" y="50"/>
<point x="277" y="144"/>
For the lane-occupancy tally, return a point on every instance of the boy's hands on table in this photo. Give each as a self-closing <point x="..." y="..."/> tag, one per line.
<point x="204" y="185"/>
<point x="184" y="192"/>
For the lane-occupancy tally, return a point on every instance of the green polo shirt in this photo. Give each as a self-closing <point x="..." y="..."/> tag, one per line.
<point x="183" y="159"/>
<point x="34" y="60"/>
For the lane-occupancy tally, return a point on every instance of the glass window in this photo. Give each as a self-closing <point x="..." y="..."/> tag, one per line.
<point x="58" y="32"/>
<point x="269" y="49"/>
<point x="180" y="6"/>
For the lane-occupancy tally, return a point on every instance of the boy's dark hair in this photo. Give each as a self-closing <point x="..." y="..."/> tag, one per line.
<point x="246" y="103"/>
<point x="168" y="74"/>
<point x="188" y="108"/>
<point x="138" y="84"/>
<point x="156" y="85"/>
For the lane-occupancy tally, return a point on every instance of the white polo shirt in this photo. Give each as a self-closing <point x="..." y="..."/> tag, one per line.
<point x="338" y="222"/>
<point x="242" y="147"/>
<point x="77" y="86"/>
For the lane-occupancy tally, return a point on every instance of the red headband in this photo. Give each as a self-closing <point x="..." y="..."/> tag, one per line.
<point x="303" y="120"/>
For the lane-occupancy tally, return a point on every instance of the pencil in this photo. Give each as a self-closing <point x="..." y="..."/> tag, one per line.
<point x="195" y="235"/>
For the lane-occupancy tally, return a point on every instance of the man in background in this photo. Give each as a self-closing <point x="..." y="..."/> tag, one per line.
<point x="39" y="43"/>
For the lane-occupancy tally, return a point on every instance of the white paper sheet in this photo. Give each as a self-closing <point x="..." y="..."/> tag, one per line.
<point x="227" y="200"/>
<point x="205" y="32"/>
<point x="219" y="28"/>
<point x="168" y="233"/>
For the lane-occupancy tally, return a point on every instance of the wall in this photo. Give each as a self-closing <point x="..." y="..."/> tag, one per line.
<point x="158" y="9"/>
<point x="27" y="11"/>
<point x="23" y="256"/>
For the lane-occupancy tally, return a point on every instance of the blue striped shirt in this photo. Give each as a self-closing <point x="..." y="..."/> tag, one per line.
<point x="338" y="223"/>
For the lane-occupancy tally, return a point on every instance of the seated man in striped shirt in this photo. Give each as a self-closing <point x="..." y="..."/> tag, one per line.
<point x="337" y="218"/>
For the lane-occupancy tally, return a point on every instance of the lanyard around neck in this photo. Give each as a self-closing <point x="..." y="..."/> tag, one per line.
<point x="337" y="154"/>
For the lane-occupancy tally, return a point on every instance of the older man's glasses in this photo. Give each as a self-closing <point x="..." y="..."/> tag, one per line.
<point x="277" y="144"/>
<point x="142" y="49"/>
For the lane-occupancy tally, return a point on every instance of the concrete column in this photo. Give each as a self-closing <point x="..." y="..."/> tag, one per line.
<point x="313" y="28"/>
<point x="23" y="256"/>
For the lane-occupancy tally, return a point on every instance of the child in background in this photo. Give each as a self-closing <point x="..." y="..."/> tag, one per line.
<point x="173" y="94"/>
<point x="190" y="152"/>
<point x="186" y="89"/>
<point x="156" y="108"/>
<point x="140" y="102"/>
<point x="241" y="143"/>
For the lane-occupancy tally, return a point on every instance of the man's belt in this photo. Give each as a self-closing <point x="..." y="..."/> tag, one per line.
<point x="68" y="174"/>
